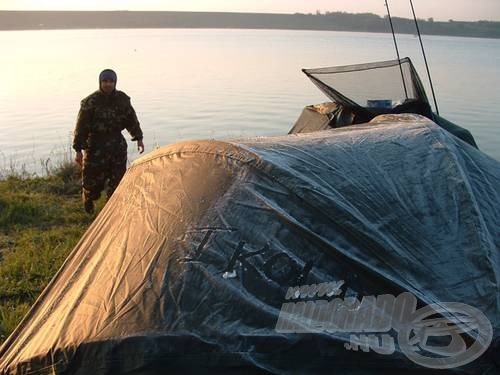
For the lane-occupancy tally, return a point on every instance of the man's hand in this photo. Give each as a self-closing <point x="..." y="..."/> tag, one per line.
<point x="140" y="146"/>
<point x="79" y="158"/>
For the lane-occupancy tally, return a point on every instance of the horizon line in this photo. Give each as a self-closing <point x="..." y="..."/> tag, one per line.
<point x="324" y="13"/>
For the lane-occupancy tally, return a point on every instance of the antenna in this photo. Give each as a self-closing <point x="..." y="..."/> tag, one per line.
<point x="425" y="59"/>
<point x="397" y="51"/>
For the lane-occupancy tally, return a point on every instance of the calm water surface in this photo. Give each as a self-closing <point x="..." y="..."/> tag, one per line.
<point x="192" y="84"/>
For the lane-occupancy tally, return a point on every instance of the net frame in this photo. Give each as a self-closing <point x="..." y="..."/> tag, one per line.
<point x="412" y="83"/>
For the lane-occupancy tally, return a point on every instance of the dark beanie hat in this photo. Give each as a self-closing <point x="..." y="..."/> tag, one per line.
<point x="107" y="74"/>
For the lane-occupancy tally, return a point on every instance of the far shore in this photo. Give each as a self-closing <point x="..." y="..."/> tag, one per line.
<point x="330" y="21"/>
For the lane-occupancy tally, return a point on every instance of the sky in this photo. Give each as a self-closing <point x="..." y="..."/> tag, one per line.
<point x="443" y="10"/>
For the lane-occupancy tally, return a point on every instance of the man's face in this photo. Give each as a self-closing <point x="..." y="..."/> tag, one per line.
<point x="107" y="86"/>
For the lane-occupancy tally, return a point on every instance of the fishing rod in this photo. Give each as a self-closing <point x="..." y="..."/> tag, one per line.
<point x="397" y="50"/>
<point x="425" y="59"/>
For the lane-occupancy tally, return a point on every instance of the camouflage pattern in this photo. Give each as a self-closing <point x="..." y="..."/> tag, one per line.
<point x="100" y="122"/>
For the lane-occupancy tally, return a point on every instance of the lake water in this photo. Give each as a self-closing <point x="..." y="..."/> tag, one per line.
<point x="193" y="84"/>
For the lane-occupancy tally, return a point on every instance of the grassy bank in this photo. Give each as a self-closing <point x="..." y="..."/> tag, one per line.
<point x="41" y="220"/>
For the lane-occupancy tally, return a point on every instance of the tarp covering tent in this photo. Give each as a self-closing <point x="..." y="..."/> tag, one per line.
<point x="189" y="263"/>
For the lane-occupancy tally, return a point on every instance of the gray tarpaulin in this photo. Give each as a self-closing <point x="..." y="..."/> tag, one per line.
<point x="188" y="265"/>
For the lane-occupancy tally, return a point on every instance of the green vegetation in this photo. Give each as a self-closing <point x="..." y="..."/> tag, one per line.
<point x="41" y="220"/>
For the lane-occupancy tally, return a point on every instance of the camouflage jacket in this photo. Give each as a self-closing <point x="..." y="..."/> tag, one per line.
<point x="102" y="118"/>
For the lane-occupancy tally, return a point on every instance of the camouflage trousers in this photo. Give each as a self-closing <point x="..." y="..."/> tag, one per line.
<point x="101" y="166"/>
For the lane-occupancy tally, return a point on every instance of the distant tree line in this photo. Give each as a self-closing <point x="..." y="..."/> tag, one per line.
<point x="339" y="21"/>
<point x="374" y="23"/>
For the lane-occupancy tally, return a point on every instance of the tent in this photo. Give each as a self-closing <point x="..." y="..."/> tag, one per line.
<point x="188" y="266"/>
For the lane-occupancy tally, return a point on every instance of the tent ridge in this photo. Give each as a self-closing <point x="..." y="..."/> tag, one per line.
<point x="210" y="147"/>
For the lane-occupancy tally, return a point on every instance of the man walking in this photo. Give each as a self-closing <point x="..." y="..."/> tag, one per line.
<point x="102" y="117"/>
